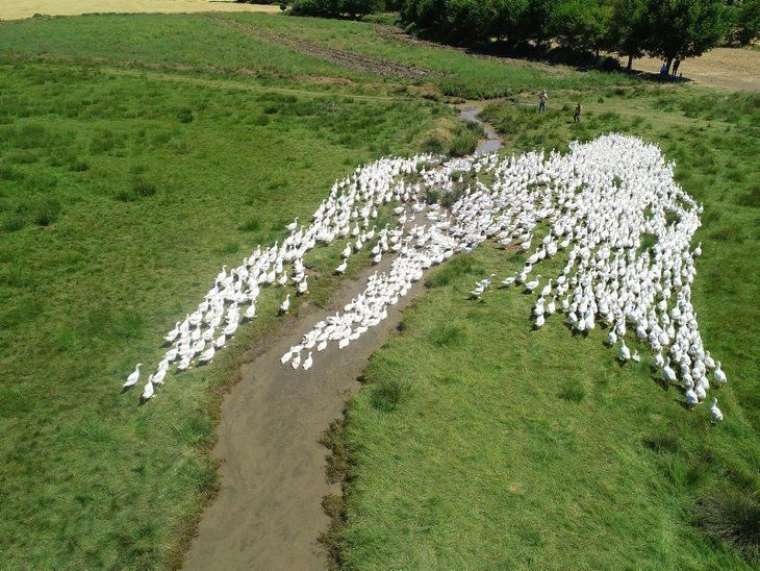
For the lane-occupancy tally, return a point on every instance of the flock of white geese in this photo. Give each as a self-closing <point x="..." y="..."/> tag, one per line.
<point x="610" y="206"/>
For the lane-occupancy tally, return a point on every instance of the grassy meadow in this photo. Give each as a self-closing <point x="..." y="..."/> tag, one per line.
<point x="120" y="199"/>
<point x="140" y="153"/>
<point x="507" y="448"/>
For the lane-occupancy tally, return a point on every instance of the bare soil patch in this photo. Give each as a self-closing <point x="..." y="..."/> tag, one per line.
<point x="19" y="9"/>
<point x="268" y="513"/>
<point x="734" y="69"/>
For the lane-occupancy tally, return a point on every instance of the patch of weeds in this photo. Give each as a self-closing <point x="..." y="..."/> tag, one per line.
<point x="143" y="188"/>
<point x="733" y="517"/>
<point x="434" y="144"/>
<point x="671" y="217"/>
<point x="387" y="395"/>
<point x="250" y="226"/>
<point x="432" y="196"/>
<point x="572" y="392"/>
<point x="261" y="121"/>
<point x="13" y="223"/>
<point x="751" y="198"/>
<point x="337" y="461"/>
<point x="31" y="136"/>
<point x="728" y="234"/>
<point x="231" y="248"/>
<point x="647" y="243"/>
<point x="9" y="173"/>
<point x="662" y="443"/>
<point x="185" y="115"/>
<point x="458" y="266"/>
<point x="46" y="212"/>
<point x="79" y="166"/>
<point x="447" y="336"/>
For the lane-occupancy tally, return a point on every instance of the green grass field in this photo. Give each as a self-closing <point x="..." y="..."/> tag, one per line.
<point x="506" y="448"/>
<point x="140" y="153"/>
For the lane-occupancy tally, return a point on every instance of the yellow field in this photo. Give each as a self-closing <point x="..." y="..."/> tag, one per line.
<point x="727" y="68"/>
<point x="18" y="9"/>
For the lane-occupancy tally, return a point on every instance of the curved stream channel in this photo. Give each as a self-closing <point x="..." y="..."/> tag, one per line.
<point x="268" y="513"/>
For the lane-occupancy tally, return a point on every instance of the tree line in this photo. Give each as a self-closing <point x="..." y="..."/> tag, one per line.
<point x="671" y="30"/>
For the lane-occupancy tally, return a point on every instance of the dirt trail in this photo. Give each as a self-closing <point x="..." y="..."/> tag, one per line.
<point x="268" y="512"/>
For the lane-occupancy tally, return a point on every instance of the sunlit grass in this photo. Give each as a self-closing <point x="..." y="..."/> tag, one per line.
<point x="522" y="449"/>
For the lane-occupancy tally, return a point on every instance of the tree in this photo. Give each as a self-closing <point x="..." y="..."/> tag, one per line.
<point x="509" y="16"/>
<point x="747" y="24"/>
<point x="581" y="25"/>
<point x="628" y="31"/>
<point x="678" y="29"/>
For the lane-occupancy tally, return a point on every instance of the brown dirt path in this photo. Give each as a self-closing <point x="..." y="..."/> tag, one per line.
<point x="268" y="513"/>
<point x="19" y="9"/>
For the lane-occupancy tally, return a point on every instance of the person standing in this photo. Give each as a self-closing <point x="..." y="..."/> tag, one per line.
<point x="577" y="116"/>
<point x="542" y="97"/>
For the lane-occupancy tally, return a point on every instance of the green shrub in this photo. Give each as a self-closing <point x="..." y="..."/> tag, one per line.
<point x="335" y="8"/>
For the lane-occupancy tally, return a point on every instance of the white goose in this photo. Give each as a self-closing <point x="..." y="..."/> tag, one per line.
<point x="133" y="377"/>
<point x="715" y="413"/>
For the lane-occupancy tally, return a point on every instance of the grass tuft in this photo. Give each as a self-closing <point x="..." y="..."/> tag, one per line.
<point x="733" y="517"/>
<point x="388" y="394"/>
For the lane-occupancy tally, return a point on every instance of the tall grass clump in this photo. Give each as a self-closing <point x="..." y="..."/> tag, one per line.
<point x="733" y="517"/>
<point x="388" y="394"/>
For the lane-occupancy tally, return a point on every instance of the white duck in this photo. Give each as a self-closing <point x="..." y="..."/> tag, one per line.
<point x="715" y="413"/>
<point x="133" y="377"/>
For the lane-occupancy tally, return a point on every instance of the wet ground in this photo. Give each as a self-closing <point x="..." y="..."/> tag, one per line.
<point x="492" y="142"/>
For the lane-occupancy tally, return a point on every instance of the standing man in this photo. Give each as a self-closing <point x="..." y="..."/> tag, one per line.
<point x="542" y="97"/>
<point x="577" y="115"/>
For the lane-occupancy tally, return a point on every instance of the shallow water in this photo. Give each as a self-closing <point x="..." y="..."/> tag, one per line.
<point x="492" y="142"/>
